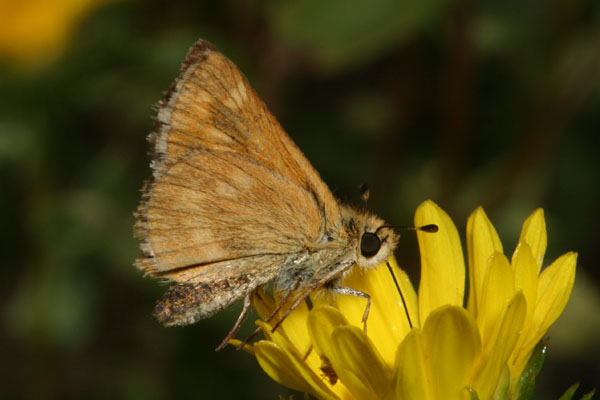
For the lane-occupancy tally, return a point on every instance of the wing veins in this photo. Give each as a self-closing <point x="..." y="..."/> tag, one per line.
<point x="202" y="264"/>
<point x="217" y="111"/>
<point x="270" y="189"/>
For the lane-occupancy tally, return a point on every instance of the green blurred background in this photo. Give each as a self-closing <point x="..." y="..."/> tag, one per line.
<point x="466" y="103"/>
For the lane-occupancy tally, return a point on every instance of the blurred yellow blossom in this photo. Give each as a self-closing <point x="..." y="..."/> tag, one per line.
<point x="34" y="31"/>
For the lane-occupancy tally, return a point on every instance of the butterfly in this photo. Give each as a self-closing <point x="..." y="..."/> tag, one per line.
<point x="233" y="205"/>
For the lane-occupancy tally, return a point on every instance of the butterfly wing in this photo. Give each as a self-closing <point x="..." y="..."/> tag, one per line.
<point x="211" y="106"/>
<point x="220" y="225"/>
<point x="216" y="208"/>
<point x="232" y="198"/>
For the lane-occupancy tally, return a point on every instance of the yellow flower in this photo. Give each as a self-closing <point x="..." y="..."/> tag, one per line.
<point x="32" y="31"/>
<point x="451" y="350"/>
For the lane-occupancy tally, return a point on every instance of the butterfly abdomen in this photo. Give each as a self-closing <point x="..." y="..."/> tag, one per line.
<point x="186" y="303"/>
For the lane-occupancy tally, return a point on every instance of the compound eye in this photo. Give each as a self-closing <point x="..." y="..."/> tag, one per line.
<point x="369" y="244"/>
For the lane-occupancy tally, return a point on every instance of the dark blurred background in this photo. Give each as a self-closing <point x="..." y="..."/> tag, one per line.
<point x="466" y="103"/>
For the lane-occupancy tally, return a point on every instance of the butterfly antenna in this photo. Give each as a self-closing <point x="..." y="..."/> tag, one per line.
<point x="365" y="192"/>
<point x="399" y="291"/>
<point x="431" y="228"/>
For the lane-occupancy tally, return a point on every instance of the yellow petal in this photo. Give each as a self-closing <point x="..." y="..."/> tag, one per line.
<point x="442" y="263"/>
<point x="281" y="338"/>
<point x="293" y="327"/>
<point x="278" y="365"/>
<point x="526" y="276"/>
<point x="286" y="369"/>
<point x="411" y="372"/>
<point x="322" y="320"/>
<point x="554" y="288"/>
<point x="248" y="348"/>
<point x="387" y="323"/>
<point x="408" y="292"/>
<point x="496" y="354"/>
<point x="451" y="341"/>
<point x="482" y="242"/>
<point x="358" y="363"/>
<point x="498" y="289"/>
<point x="263" y="304"/>
<point x="267" y="330"/>
<point x="534" y="234"/>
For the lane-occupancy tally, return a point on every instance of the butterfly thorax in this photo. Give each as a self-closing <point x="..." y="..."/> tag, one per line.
<point x="327" y="262"/>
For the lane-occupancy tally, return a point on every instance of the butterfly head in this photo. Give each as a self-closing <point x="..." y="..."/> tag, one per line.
<point x="375" y="241"/>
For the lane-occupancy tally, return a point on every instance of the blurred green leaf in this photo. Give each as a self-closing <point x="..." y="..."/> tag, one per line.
<point x="502" y="391"/>
<point x="570" y="392"/>
<point x="526" y="385"/>
<point x="342" y="35"/>
<point x="472" y="393"/>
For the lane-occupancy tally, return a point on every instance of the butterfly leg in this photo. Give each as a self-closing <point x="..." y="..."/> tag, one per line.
<point x="296" y="303"/>
<point x="282" y="301"/>
<point x="238" y="323"/>
<point x="356" y="293"/>
<point x="310" y="349"/>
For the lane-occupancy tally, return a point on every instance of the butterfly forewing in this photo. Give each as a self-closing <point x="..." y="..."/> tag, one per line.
<point x="213" y="107"/>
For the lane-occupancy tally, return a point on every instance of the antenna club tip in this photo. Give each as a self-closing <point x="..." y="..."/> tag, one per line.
<point x="431" y="228"/>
